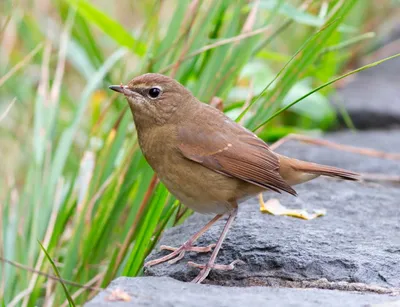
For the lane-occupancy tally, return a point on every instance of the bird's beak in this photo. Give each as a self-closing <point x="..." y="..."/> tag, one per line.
<point x="117" y="88"/>
<point x="123" y="89"/>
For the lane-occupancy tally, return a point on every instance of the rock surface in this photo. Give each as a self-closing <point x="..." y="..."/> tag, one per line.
<point x="357" y="241"/>
<point x="372" y="99"/>
<point x="160" y="292"/>
<point x="356" y="246"/>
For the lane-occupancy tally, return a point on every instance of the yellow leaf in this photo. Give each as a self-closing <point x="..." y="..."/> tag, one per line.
<point x="274" y="207"/>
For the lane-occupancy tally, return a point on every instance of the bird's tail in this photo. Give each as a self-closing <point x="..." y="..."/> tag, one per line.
<point x="297" y="171"/>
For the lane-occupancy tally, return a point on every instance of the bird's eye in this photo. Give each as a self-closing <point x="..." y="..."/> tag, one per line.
<point x="154" y="92"/>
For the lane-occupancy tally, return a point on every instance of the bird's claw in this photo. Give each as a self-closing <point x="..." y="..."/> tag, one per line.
<point x="178" y="253"/>
<point x="206" y="268"/>
<point x="190" y="248"/>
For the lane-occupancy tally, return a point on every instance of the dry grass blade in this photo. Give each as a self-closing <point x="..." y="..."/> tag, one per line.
<point x="96" y="196"/>
<point x="48" y="275"/>
<point x="4" y="26"/>
<point x="8" y="108"/>
<point x="19" y="297"/>
<point x="248" y="100"/>
<point x="219" y="43"/>
<point x="358" y="150"/>
<point x="42" y="91"/>
<point x="47" y="238"/>
<point x="65" y="37"/>
<point x="192" y="12"/>
<point x="251" y="18"/>
<point x="21" y="64"/>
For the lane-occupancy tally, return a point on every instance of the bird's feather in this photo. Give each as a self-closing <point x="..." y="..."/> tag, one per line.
<point x="232" y="150"/>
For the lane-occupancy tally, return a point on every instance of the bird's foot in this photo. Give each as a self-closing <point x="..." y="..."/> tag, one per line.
<point x="206" y="268"/>
<point x="178" y="253"/>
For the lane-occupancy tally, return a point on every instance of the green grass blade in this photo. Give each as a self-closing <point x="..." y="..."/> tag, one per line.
<point x="109" y="26"/>
<point x="69" y="298"/>
<point x="68" y="136"/>
<point x="146" y="231"/>
<point x="325" y="85"/>
<point x="303" y="46"/>
<point x="297" y="67"/>
<point x="300" y="16"/>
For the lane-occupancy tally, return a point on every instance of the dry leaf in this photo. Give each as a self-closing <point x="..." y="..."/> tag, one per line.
<point x="274" y="207"/>
<point x="118" y="295"/>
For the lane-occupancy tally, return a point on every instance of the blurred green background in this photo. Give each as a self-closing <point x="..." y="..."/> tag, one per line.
<point x="71" y="172"/>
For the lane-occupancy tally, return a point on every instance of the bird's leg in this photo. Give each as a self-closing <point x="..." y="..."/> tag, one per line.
<point x="206" y="268"/>
<point x="178" y="253"/>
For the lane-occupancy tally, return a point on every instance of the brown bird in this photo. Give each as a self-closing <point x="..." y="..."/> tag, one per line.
<point x="205" y="159"/>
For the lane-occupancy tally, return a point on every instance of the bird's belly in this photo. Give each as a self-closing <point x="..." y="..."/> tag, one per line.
<point x="199" y="188"/>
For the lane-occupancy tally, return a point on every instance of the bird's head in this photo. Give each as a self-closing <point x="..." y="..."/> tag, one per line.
<point x="154" y="98"/>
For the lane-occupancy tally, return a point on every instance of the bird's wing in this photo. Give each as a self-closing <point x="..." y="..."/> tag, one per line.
<point x="225" y="147"/>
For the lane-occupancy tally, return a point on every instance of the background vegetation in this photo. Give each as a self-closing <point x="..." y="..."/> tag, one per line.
<point x="71" y="173"/>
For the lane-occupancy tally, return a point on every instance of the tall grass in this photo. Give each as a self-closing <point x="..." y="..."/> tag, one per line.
<point x="73" y="176"/>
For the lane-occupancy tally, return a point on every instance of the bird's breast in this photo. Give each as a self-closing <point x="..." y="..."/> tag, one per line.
<point x="197" y="187"/>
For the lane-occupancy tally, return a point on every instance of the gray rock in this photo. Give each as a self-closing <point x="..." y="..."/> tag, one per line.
<point x="372" y="99"/>
<point x="160" y="292"/>
<point x="357" y="241"/>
